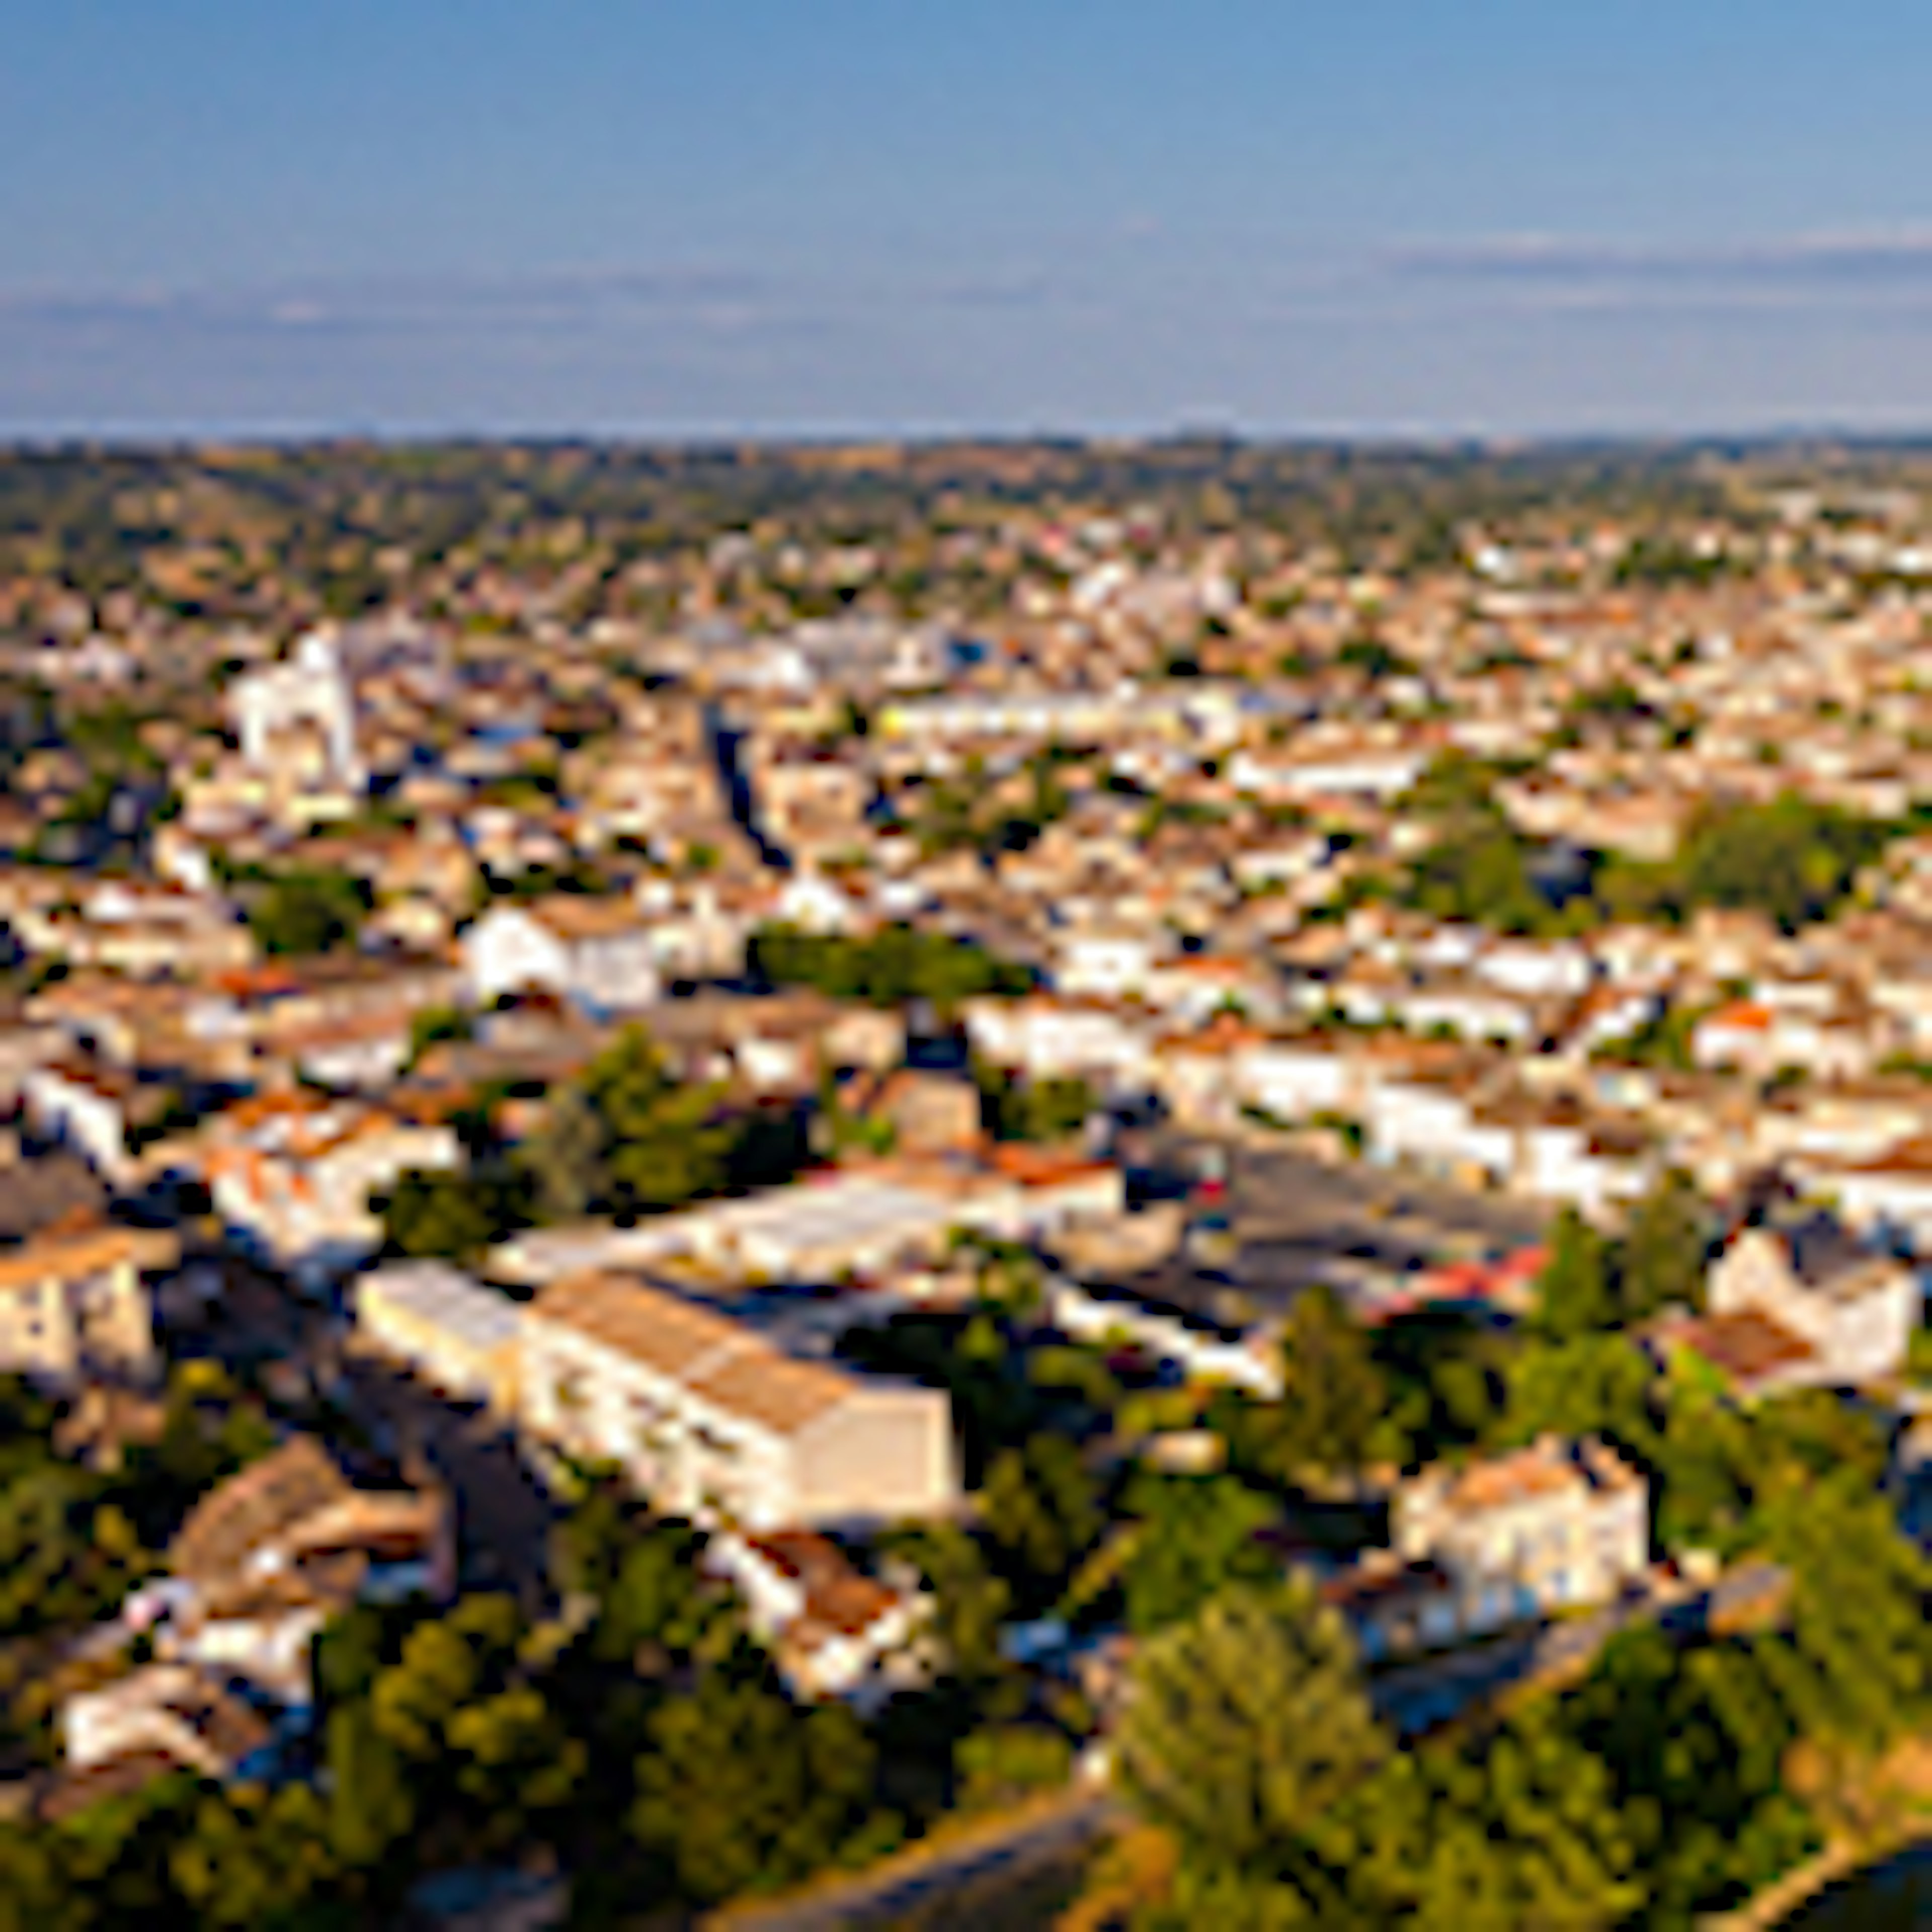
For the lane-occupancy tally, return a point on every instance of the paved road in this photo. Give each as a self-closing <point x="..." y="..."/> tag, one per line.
<point x="503" y="1513"/>
<point x="1421" y="1696"/>
<point x="922" y="1876"/>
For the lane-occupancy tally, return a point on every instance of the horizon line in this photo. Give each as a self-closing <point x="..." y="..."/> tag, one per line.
<point x="62" y="437"/>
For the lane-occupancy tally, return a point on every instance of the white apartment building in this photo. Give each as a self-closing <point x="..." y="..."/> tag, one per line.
<point x="710" y="1421"/>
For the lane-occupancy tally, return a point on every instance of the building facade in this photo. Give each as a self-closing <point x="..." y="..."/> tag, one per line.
<point x="711" y="1421"/>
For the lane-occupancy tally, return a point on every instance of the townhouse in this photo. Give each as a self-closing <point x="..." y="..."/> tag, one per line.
<point x="598" y="951"/>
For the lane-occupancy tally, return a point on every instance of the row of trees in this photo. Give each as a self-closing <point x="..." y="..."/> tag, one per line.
<point x="1792" y="859"/>
<point x="891" y="967"/>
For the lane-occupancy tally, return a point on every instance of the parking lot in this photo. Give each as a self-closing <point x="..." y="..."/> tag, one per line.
<point x="1295" y="1220"/>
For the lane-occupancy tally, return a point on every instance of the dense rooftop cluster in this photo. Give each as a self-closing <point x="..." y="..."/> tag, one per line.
<point x="804" y="1138"/>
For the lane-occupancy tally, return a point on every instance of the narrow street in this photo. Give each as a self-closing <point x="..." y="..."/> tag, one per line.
<point x="1004" y="1851"/>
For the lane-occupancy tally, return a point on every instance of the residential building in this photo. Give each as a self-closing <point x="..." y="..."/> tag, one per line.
<point x="831" y="1632"/>
<point x="711" y="1420"/>
<point x="292" y="1174"/>
<point x="445" y="1326"/>
<point x="74" y="1302"/>
<point x="1804" y="1305"/>
<point x="598" y="951"/>
<point x="1539" y="1529"/>
<point x="182" y="1716"/>
<point x="294" y="1511"/>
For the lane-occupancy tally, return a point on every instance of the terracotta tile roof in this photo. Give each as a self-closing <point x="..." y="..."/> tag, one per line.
<point x="1509" y="1479"/>
<point x="1040" y="1166"/>
<point x="1746" y="1346"/>
<point x="67" y="1255"/>
<point x="721" y="1361"/>
<point x="574" y="916"/>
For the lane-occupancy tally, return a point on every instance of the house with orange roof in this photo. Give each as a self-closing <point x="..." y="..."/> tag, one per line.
<point x="1804" y="1304"/>
<point x="1560" y="1523"/>
<point x="831" y="1632"/>
<point x="293" y="1173"/>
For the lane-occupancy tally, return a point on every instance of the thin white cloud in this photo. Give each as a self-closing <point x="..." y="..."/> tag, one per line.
<point x="1852" y="260"/>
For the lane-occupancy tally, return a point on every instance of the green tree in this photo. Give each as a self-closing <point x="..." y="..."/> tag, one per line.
<point x="1791" y="860"/>
<point x="370" y="1805"/>
<point x="1247" y="1727"/>
<point x="1694" y="1743"/>
<point x="516" y="1763"/>
<point x="1576" y="1293"/>
<point x="1195" y="1536"/>
<point x="436" y="1212"/>
<point x="1521" y="1835"/>
<point x="740" y="1791"/>
<point x="657" y="1599"/>
<point x="253" y="1857"/>
<point x="39" y="1891"/>
<point x="307" y="911"/>
<point x="973" y="1599"/>
<point x="1665" y="1248"/>
<point x="349" y="1652"/>
<point x="1000" y="1764"/>
<point x="433" y="1024"/>
<point x="663" y="1144"/>
<point x="565" y="1158"/>
<point x="1859" y="1665"/>
<point x="1333" y="1395"/>
<point x="446" y="1663"/>
<point x="1040" y="1504"/>
<point x="890" y="968"/>
<point x="1590" y="1385"/>
<point x="1481" y="873"/>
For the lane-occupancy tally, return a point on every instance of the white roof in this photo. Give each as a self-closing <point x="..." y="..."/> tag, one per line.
<point x="792" y="1221"/>
<point x="482" y="1317"/>
<point x="584" y="1247"/>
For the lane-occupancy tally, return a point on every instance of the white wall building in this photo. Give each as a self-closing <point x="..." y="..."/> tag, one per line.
<point x="711" y="1421"/>
<point x="599" y="953"/>
<point x="312" y="689"/>
<point x="1559" y="1524"/>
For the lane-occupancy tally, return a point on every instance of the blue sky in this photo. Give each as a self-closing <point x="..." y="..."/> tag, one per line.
<point x="826" y="216"/>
